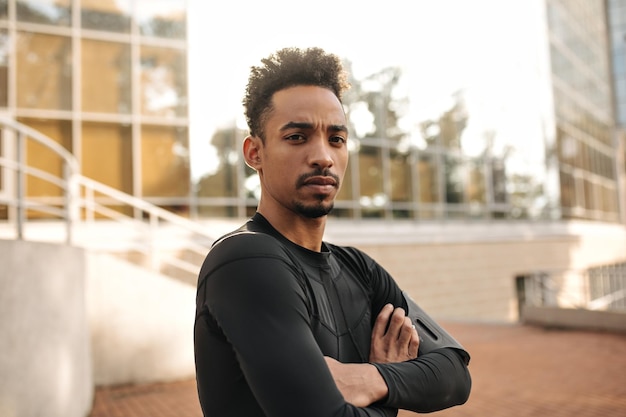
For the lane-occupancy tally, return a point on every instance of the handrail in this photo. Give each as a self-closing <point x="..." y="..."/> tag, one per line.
<point x="93" y="198"/>
<point x="597" y="288"/>
<point x="70" y="168"/>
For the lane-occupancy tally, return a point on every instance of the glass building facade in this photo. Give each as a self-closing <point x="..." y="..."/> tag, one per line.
<point x="108" y="80"/>
<point x="539" y="145"/>
<point x="616" y="11"/>
<point x="583" y="94"/>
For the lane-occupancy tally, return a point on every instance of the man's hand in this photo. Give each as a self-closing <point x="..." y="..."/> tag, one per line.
<point x="360" y="383"/>
<point x="394" y="338"/>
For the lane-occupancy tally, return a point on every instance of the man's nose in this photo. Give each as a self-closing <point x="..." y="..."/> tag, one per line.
<point x="320" y="154"/>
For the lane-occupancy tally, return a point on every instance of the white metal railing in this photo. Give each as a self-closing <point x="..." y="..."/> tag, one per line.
<point x="81" y="204"/>
<point x="597" y="288"/>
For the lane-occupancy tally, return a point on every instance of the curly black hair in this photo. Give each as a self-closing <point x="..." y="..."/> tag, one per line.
<point x="289" y="67"/>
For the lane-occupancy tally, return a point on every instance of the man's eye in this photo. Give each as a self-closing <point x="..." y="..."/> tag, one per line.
<point x="295" y="137"/>
<point x="337" y="139"/>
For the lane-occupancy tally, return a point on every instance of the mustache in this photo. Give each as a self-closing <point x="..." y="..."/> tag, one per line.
<point x="300" y="182"/>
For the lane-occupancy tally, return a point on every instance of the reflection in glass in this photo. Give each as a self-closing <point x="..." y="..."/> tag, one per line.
<point x="453" y="174"/>
<point x="221" y="179"/>
<point x="401" y="183"/>
<point x="163" y="82"/>
<point x="106" y="77"/>
<point x="428" y="185"/>
<point x="4" y="68"/>
<point x="164" y="161"/>
<point x="475" y="191"/>
<point x="50" y="12"/>
<point x="345" y="192"/>
<point x="400" y="177"/>
<point x="44" y="71"/>
<point x="427" y="169"/>
<point x="3" y="207"/>
<point x="217" y="186"/>
<point x="373" y="198"/>
<point x="107" y="154"/>
<point x="41" y="157"/>
<point x="162" y="18"/>
<point x="110" y="16"/>
<point x="499" y="193"/>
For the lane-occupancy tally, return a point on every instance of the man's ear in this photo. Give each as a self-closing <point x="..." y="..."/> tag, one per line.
<point x="252" y="152"/>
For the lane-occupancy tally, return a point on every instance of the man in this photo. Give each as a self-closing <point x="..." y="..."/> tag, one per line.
<point x="288" y="325"/>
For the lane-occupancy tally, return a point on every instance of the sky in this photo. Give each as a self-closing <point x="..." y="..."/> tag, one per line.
<point x="441" y="46"/>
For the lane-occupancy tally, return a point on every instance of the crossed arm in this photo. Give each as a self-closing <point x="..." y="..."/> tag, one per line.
<point x="394" y="339"/>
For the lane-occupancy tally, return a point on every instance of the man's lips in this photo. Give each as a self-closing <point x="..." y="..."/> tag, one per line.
<point x="321" y="181"/>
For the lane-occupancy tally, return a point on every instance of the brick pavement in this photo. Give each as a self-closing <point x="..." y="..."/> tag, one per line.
<point x="517" y="371"/>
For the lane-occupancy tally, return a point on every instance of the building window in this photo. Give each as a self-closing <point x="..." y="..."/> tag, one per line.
<point x="4" y="68"/>
<point x="44" y="71"/>
<point x="164" y="161"/>
<point x="107" y="154"/>
<point x="49" y="12"/>
<point x="163" y="82"/>
<point x="162" y="18"/>
<point x="106" y="16"/>
<point x="373" y="198"/>
<point x="40" y="157"/>
<point x="106" y="77"/>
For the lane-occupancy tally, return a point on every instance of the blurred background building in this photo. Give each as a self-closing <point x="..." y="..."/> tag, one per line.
<point x="507" y="202"/>
<point x="511" y="194"/>
<point x="106" y="79"/>
<point x="537" y="140"/>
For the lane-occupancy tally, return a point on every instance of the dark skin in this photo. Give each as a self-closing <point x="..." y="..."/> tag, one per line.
<point x="301" y="162"/>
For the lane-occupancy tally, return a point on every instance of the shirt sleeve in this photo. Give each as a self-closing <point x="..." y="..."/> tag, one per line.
<point x="434" y="381"/>
<point x="437" y="379"/>
<point x="256" y="300"/>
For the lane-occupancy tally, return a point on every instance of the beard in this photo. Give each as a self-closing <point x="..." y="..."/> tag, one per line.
<point x="313" y="211"/>
<point x="319" y="209"/>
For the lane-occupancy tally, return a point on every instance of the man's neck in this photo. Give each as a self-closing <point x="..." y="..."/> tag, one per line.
<point x="302" y="231"/>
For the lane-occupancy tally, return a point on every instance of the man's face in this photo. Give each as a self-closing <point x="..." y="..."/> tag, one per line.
<point x="304" y="156"/>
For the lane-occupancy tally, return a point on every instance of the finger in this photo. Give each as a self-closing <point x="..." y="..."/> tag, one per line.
<point x="380" y="325"/>
<point x="414" y="343"/>
<point x="406" y="332"/>
<point x="395" y="323"/>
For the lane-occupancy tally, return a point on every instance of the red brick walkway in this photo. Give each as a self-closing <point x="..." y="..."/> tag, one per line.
<point x="517" y="371"/>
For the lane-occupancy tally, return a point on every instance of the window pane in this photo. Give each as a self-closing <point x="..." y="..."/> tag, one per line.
<point x="400" y="177"/>
<point x="163" y="82"/>
<point x="428" y="179"/>
<point x="162" y="18"/>
<point x="476" y="192"/>
<point x="4" y="68"/>
<point x="453" y="171"/>
<point x="108" y="16"/>
<point x="346" y="193"/>
<point x="107" y="154"/>
<point x="106" y="80"/>
<point x="41" y="157"/>
<point x="44" y="71"/>
<point x="220" y="178"/>
<point x="4" y="178"/>
<point x="372" y="197"/>
<point x="51" y="12"/>
<point x="164" y="161"/>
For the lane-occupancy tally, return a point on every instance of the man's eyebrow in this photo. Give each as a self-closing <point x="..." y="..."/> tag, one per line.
<point x="296" y="125"/>
<point x="338" y="128"/>
<point x="306" y="125"/>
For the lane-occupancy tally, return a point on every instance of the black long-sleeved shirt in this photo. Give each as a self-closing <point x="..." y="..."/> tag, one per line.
<point x="267" y="313"/>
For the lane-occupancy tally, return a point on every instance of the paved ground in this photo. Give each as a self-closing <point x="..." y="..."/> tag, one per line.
<point x="517" y="371"/>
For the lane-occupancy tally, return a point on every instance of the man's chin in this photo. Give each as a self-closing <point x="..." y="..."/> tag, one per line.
<point x="314" y="211"/>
